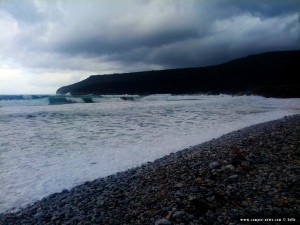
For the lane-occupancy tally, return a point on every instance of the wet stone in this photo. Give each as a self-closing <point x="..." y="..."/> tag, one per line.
<point x="229" y="168"/>
<point x="214" y="165"/>
<point x="39" y="215"/>
<point x="246" y="165"/>
<point x="178" y="215"/>
<point x="163" y="222"/>
<point x="233" y="177"/>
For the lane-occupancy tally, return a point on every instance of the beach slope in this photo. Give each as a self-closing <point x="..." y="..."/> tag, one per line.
<point x="248" y="174"/>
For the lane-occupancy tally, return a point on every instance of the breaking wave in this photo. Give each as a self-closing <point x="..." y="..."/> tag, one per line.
<point x="42" y="100"/>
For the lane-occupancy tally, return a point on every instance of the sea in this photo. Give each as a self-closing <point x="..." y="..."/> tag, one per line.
<point x="51" y="142"/>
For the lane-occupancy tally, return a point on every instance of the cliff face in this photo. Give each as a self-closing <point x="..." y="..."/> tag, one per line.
<point x="274" y="74"/>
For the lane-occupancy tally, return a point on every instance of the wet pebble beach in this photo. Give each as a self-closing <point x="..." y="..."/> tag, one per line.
<point x="249" y="174"/>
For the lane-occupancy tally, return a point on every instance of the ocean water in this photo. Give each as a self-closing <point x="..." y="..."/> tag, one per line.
<point x="50" y="143"/>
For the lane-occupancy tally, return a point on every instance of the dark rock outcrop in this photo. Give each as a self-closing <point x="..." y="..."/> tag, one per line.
<point x="273" y="74"/>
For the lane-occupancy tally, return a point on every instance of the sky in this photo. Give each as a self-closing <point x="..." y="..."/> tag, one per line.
<point x="46" y="44"/>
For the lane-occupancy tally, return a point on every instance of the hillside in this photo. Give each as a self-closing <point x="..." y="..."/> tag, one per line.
<point x="273" y="74"/>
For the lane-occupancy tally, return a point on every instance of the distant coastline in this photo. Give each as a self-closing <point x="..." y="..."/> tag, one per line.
<point x="272" y="74"/>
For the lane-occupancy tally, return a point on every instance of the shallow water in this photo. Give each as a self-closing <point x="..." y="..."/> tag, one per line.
<point x="45" y="148"/>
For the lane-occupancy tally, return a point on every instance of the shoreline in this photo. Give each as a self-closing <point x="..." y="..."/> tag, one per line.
<point x="252" y="173"/>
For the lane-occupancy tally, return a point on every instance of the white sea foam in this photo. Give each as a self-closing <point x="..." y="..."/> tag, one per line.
<point x="46" y="148"/>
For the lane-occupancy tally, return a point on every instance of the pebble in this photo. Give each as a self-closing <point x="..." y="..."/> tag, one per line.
<point x="179" y="185"/>
<point x="214" y="165"/>
<point x="233" y="177"/>
<point x="163" y="222"/>
<point x="178" y="215"/>
<point x="246" y="165"/>
<point x="229" y="168"/>
<point x="39" y="215"/>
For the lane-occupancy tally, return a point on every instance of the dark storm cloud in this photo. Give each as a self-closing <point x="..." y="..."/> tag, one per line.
<point x="98" y="45"/>
<point x="195" y="40"/>
<point x="147" y="34"/>
<point x="24" y="11"/>
<point x="263" y="9"/>
<point x="33" y="11"/>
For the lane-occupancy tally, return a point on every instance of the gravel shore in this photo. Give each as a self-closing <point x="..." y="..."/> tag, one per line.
<point x="250" y="174"/>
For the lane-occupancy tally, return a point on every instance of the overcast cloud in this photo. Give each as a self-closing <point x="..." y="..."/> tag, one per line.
<point x="47" y="44"/>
